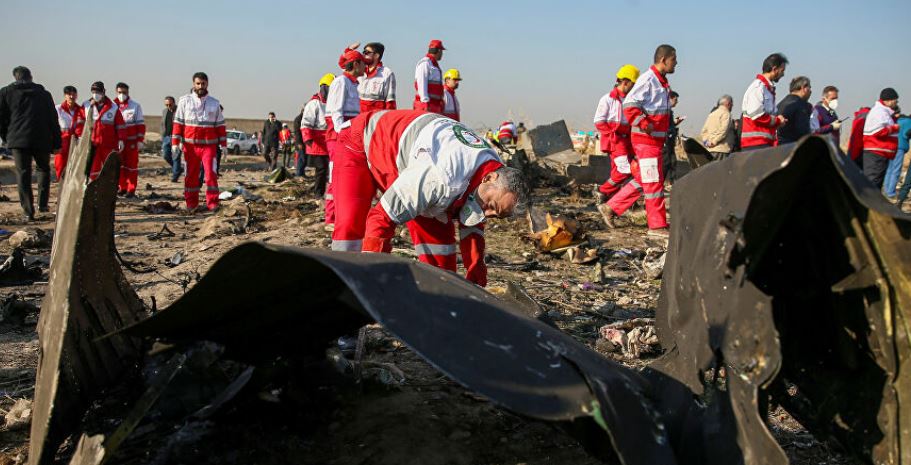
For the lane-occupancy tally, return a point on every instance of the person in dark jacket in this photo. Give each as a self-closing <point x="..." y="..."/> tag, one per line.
<point x="271" y="128"/>
<point x="826" y="115"/>
<point x="797" y="109"/>
<point x="28" y="124"/>
<point x="167" y="126"/>
<point x="300" y="164"/>
<point x="669" y="158"/>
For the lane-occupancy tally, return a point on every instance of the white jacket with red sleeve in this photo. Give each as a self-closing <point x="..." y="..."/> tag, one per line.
<point x="199" y="121"/>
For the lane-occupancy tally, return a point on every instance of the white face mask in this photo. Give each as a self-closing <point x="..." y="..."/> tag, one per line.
<point x="471" y="214"/>
<point x="833" y="104"/>
<point x="122" y="97"/>
<point x="97" y="97"/>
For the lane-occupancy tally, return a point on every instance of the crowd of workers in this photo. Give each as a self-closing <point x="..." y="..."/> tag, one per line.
<point x="433" y="174"/>
<point x="635" y="121"/>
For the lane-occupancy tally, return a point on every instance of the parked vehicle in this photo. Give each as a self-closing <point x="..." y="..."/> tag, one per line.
<point x="239" y="141"/>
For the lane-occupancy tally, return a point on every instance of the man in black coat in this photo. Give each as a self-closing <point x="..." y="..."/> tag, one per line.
<point x="797" y="109"/>
<point x="28" y="124"/>
<point x="271" y="128"/>
<point x="300" y="164"/>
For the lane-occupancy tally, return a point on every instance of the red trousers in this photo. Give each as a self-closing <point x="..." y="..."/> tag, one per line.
<point x="648" y="180"/>
<point x="102" y="152"/>
<point x="434" y="241"/>
<point x="330" y="192"/>
<point x="61" y="157"/>
<point x="617" y="178"/>
<point x="129" y="169"/>
<point x="193" y="157"/>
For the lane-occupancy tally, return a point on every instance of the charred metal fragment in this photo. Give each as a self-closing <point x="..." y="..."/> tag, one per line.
<point x="87" y="297"/>
<point x="796" y="282"/>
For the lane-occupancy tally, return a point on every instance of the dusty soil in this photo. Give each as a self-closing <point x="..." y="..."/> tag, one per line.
<point x="428" y="419"/>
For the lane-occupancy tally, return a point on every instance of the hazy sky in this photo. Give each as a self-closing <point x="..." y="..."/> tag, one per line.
<point x="539" y="61"/>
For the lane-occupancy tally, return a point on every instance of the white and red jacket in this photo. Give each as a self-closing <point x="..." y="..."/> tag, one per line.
<point x="507" y="130"/>
<point x="648" y="102"/>
<point x="71" y="120"/>
<point x="377" y="89"/>
<point x="314" y="126"/>
<point x="880" y="131"/>
<point x="759" y="114"/>
<point x="108" y="127"/>
<point x="451" y="107"/>
<point x="428" y="85"/>
<point x="342" y="104"/>
<point x="612" y="124"/>
<point x="427" y="165"/>
<point x="136" y="125"/>
<point x="199" y="121"/>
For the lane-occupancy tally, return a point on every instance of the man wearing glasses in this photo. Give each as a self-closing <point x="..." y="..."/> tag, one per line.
<point x="377" y="86"/>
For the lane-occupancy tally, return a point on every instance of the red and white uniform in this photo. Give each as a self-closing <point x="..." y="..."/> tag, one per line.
<point x="342" y="104"/>
<point x="200" y="126"/>
<point x="507" y="132"/>
<point x="647" y="103"/>
<point x="427" y="167"/>
<point x="428" y="85"/>
<point x="451" y="107"/>
<point x="377" y="89"/>
<point x="284" y="136"/>
<point x="314" y="126"/>
<point x="136" y="133"/>
<point x="108" y="129"/>
<point x="880" y="131"/>
<point x="856" y="139"/>
<point x="71" y="119"/>
<point x="615" y="140"/>
<point x="760" y="119"/>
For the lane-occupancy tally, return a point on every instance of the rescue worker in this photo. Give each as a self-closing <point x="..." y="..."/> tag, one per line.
<point x="284" y="143"/>
<point x="313" y="135"/>
<point x="428" y="79"/>
<point x="451" y="107"/>
<point x="109" y="131"/>
<point x="433" y="172"/>
<point x="71" y="117"/>
<point x="136" y="132"/>
<point x="507" y="133"/>
<point x="760" y="119"/>
<point x="342" y="104"/>
<point x="647" y="107"/>
<point x="880" y="136"/>
<point x="376" y="87"/>
<point x="615" y="138"/>
<point x="199" y="129"/>
<point x="856" y="138"/>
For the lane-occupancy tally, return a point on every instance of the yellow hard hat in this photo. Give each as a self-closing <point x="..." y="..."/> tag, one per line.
<point x="628" y="72"/>
<point x="452" y="73"/>
<point x="326" y="79"/>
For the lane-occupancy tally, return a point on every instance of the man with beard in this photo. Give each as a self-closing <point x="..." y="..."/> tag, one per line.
<point x="759" y="112"/>
<point x="199" y="128"/>
<point x="271" y="129"/>
<point x="880" y="136"/>
<point x="377" y="86"/>
<point x="647" y="107"/>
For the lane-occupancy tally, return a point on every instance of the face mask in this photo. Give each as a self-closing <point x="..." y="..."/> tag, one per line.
<point x="122" y="97"/>
<point x="97" y="97"/>
<point x="471" y="214"/>
<point x="833" y="104"/>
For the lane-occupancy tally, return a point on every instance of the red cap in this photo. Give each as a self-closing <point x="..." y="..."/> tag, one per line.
<point x="349" y="56"/>
<point x="436" y="44"/>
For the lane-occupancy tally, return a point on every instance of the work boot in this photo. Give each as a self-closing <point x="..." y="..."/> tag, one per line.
<point x="608" y="214"/>
<point x="121" y="193"/>
<point x="130" y="195"/>
<point x="598" y="195"/>
<point x="662" y="233"/>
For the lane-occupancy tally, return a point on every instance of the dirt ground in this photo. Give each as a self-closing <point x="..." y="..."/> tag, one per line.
<point x="428" y="419"/>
